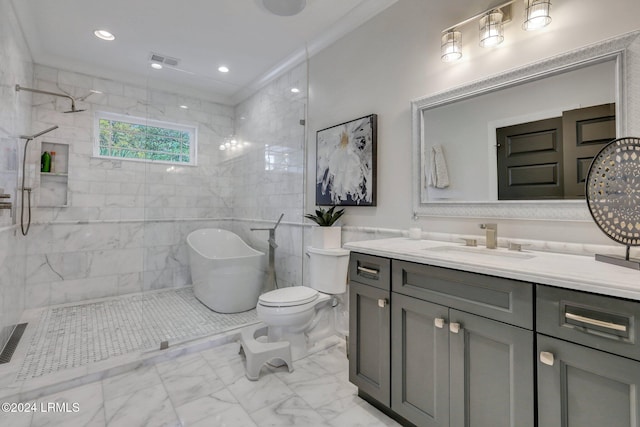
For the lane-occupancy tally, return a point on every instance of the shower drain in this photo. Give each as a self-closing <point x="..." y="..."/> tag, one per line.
<point x="12" y="344"/>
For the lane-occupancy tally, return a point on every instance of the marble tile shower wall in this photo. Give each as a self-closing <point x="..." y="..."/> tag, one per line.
<point x="75" y="262"/>
<point x="101" y="189"/>
<point x="15" y="117"/>
<point x="268" y="171"/>
<point x="124" y="225"/>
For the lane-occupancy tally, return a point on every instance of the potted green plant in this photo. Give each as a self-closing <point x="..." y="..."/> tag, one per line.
<point x="326" y="235"/>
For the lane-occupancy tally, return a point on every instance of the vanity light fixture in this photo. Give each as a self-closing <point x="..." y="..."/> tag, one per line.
<point x="156" y="66"/>
<point x="184" y="107"/>
<point x="491" y="29"/>
<point x="536" y="14"/>
<point x="223" y="69"/>
<point x="491" y="26"/>
<point x="451" y="46"/>
<point x="295" y="90"/>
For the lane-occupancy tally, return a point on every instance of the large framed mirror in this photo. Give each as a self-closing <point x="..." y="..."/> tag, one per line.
<point x="554" y="115"/>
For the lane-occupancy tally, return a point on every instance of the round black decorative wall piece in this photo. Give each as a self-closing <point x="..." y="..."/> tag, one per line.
<point x="613" y="190"/>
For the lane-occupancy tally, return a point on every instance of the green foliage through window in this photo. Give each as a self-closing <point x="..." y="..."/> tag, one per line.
<point x="130" y="140"/>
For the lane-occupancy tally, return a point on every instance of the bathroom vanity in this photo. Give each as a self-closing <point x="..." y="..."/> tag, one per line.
<point x="448" y="335"/>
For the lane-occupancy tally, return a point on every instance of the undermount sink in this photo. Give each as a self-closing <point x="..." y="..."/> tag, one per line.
<point x="498" y="253"/>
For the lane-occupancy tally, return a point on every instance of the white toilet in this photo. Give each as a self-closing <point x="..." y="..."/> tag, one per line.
<point x="293" y="313"/>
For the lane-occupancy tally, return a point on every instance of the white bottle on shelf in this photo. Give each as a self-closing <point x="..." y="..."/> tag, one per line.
<point x="53" y="162"/>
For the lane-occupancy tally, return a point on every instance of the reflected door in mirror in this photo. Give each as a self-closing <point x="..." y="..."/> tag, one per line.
<point x="549" y="159"/>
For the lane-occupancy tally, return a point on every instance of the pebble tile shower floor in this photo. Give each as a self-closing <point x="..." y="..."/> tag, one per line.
<point x="77" y="335"/>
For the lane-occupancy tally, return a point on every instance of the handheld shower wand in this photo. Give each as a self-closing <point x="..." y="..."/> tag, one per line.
<point x="29" y="138"/>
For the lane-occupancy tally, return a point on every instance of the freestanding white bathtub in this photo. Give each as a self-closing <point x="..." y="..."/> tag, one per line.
<point x="227" y="274"/>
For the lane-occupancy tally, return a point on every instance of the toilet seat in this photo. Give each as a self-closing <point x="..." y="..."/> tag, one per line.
<point x="288" y="297"/>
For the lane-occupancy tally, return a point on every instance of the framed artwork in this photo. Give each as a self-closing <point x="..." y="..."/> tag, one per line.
<point x="346" y="163"/>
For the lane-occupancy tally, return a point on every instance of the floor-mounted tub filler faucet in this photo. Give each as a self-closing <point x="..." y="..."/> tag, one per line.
<point x="271" y="282"/>
<point x="492" y="235"/>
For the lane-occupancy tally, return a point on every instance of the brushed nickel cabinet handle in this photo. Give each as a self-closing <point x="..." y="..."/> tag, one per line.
<point x="368" y="270"/>
<point x="439" y="322"/>
<point x="547" y="358"/>
<point x="382" y="302"/>
<point x="596" y="322"/>
<point x="454" y="327"/>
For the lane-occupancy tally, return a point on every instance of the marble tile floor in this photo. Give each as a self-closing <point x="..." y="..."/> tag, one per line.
<point x="209" y="388"/>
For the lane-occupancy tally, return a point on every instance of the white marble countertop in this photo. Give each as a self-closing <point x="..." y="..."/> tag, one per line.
<point x="561" y="270"/>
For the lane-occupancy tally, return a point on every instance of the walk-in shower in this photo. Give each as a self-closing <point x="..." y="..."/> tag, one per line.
<point x="24" y="189"/>
<point x="29" y="138"/>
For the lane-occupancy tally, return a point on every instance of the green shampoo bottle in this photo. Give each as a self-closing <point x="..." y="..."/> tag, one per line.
<point x="45" y="162"/>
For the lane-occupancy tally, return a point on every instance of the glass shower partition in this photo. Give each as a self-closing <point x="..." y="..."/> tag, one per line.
<point x="247" y="170"/>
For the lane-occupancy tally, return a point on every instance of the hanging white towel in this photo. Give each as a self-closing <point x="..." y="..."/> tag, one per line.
<point x="437" y="173"/>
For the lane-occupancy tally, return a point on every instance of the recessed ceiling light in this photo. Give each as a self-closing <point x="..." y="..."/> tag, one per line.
<point x="284" y="7"/>
<point x="223" y="69"/>
<point x="184" y="107"/>
<point x="104" y="35"/>
<point x="295" y="90"/>
<point x="156" y="66"/>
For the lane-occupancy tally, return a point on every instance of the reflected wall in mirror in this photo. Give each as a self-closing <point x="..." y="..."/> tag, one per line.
<point x="468" y="120"/>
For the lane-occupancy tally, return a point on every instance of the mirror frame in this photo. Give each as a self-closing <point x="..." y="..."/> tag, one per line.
<point x="571" y="210"/>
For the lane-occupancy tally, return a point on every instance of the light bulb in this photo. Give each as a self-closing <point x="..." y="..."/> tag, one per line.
<point x="536" y="14"/>
<point x="491" y="29"/>
<point x="451" y="46"/>
<point x="104" y="35"/>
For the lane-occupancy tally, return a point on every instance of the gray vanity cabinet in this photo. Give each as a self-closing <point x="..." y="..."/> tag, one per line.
<point x="584" y="387"/>
<point x="439" y="347"/>
<point x="591" y="376"/>
<point x="491" y="370"/>
<point x="454" y="368"/>
<point x="420" y="361"/>
<point x="369" y="326"/>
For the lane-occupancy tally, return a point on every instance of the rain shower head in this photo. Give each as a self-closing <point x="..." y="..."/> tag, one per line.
<point x="73" y="107"/>
<point x="29" y="137"/>
<point x="63" y="95"/>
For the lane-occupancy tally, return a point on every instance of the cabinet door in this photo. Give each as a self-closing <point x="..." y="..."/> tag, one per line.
<point x="420" y="361"/>
<point x="491" y="373"/>
<point x="369" y="341"/>
<point x="582" y="387"/>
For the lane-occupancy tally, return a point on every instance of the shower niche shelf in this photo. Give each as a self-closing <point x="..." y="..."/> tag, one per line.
<point x="54" y="186"/>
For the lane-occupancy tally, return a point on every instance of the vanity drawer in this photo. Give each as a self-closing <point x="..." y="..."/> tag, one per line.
<point x="508" y="301"/>
<point x="370" y="270"/>
<point x="597" y="321"/>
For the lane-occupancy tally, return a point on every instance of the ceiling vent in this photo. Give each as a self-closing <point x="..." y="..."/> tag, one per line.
<point x="164" y="59"/>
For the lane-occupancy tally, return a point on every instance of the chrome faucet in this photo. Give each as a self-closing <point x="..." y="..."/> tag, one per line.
<point x="492" y="235"/>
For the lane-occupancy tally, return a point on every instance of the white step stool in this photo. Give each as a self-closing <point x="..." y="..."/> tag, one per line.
<point x="257" y="353"/>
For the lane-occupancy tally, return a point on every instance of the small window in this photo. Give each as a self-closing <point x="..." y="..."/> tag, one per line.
<point x="135" y="138"/>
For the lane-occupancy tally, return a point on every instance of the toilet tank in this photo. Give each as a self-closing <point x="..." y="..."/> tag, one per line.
<point x="328" y="270"/>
